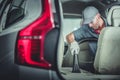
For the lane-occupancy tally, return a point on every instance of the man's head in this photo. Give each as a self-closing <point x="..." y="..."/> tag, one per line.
<point x="91" y="16"/>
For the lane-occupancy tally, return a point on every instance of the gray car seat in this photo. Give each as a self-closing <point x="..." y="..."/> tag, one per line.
<point x="84" y="56"/>
<point x="113" y="17"/>
<point x="108" y="51"/>
<point x="85" y="60"/>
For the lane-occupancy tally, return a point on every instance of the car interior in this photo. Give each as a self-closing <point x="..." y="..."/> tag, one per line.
<point x="106" y="64"/>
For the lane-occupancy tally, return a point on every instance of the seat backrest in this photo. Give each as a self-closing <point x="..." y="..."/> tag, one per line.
<point x="108" y="51"/>
<point x="113" y="17"/>
<point x="108" y="48"/>
<point x="83" y="56"/>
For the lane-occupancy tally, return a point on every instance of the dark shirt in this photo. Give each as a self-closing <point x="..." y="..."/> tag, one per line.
<point x="87" y="32"/>
<point x="84" y="32"/>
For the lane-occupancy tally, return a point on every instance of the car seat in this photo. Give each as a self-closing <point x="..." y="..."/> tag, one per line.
<point x="108" y="50"/>
<point x="113" y="17"/>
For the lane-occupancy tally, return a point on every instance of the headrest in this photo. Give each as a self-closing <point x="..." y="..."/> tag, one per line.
<point x="114" y="13"/>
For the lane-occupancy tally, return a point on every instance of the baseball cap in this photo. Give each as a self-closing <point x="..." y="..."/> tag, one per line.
<point x="88" y="14"/>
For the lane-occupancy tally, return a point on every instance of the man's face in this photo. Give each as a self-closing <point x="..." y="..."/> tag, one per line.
<point x="95" y="23"/>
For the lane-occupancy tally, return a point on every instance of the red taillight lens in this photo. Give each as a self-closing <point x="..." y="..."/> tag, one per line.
<point x="30" y="42"/>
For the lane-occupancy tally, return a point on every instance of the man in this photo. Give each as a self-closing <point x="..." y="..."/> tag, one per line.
<point x="93" y="23"/>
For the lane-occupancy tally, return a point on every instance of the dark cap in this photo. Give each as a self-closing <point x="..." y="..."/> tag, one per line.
<point x="89" y="13"/>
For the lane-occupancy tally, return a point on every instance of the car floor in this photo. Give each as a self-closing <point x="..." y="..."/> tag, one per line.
<point x="67" y="74"/>
<point x="85" y="75"/>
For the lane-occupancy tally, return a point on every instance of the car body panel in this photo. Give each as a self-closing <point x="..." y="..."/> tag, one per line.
<point x="8" y="68"/>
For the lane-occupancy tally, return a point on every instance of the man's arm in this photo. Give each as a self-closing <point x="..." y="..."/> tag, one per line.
<point x="74" y="46"/>
<point x="73" y="39"/>
<point x="76" y="35"/>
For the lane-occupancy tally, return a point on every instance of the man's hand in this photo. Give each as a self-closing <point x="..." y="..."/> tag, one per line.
<point x="74" y="48"/>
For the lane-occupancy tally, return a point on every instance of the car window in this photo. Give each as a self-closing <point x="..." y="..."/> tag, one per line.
<point x="16" y="12"/>
<point x="4" y="7"/>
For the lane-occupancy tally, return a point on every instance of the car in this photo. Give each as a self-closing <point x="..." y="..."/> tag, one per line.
<point x="33" y="42"/>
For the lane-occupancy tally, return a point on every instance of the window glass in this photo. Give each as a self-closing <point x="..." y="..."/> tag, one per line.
<point x="16" y="12"/>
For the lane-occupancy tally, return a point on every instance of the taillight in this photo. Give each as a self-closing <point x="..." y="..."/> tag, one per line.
<point x="30" y="42"/>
